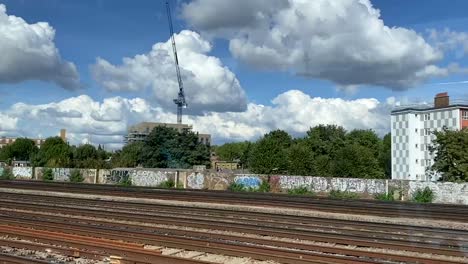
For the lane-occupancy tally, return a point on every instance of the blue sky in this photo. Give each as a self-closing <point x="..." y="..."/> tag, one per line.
<point x="114" y="29"/>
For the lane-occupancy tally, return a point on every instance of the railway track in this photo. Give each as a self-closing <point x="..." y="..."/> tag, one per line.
<point x="283" y="238"/>
<point x="368" y="207"/>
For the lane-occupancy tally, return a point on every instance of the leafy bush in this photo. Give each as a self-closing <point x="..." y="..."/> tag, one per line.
<point x="76" y="176"/>
<point x="47" y="174"/>
<point x="167" y="184"/>
<point x="423" y="196"/>
<point x="7" y="174"/>
<point x="337" y="194"/>
<point x="385" y="197"/>
<point x="264" y="187"/>
<point x="126" y="182"/>
<point x="300" y="191"/>
<point x="236" y="187"/>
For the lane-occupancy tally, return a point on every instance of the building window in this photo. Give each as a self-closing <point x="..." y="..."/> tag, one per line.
<point x="427" y="131"/>
<point x="417" y="160"/>
<point x="416" y="145"/>
<point x="416" y="130"/>
<point x="465" y="115"/>
<point x="427" y="117"/>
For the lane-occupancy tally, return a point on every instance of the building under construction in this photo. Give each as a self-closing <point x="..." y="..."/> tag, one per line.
<point x="140" y="131"/>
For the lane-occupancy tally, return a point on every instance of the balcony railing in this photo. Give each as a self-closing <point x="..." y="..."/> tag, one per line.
<point x="425" y="105"/>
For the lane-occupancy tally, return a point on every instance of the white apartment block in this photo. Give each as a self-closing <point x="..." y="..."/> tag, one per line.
<point x="412" y="130"/>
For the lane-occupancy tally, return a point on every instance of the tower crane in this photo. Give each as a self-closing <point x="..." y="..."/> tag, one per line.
<point x="180" y="100"/>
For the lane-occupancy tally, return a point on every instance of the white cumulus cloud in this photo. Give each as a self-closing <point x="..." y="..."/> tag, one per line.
<point x="106" y="122"/>
<point x="208" y="85"/>
<point x="28" y="52"/>
<point x="343" y="41"/>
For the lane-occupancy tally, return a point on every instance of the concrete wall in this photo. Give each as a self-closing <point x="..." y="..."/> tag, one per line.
<point x="193" y="179"/>
<point x="139" y="177"/>
<point x="22" y="172"/>
<point x="445" y="192"/>
<point x="63" y="174"/>
<point x="326" y="184"/>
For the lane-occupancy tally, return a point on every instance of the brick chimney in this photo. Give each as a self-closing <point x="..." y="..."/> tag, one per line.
<point x="441" y="100"/>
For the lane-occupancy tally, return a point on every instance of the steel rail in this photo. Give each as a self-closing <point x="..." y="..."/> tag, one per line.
<point x="88" y="243"/>
<point x="356" y="206"/>
<point x="225" y="213"/>
<point x="296" y="245"/>
<point x="448" y="241"/>
<point x="231" y="248"/>
<point x="12" y="259"/>
<point x="146" y="236"/>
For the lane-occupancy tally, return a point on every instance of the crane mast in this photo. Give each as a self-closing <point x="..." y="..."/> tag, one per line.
<point x="180" y="101"/>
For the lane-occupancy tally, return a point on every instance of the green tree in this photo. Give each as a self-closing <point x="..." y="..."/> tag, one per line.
<point x="54" y="153"/>
<point x="385" y="157"/>
<point x="21" y="149"/>
<point x="301" y="159"/>
<point x="325" y="141"/>
<point x="129" y="156"/>
<point x="167" y="148"/>
<point x="87" y="156"/>
<point x="357" y="161"/>
<point x="270" y="153"/>
<point x="451" y="155"/>
<point x="235" y="151"/>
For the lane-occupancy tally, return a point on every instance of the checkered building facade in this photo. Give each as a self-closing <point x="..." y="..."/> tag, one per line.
<point x="412" y="135"/>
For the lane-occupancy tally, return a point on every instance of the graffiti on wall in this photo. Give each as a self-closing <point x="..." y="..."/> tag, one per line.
<point x="444" y="192"/>
<point x="148" y="177"/>
<point x="322" y="184"/>
<point x="248" y="181"/>
<point x="61" y="174"/>
<point x="196" y="180"/>
<point x="218" y="181"/>
<point x="291" y="182"/>
<point x="23" y="172"/>
<point x="116" y="176"/>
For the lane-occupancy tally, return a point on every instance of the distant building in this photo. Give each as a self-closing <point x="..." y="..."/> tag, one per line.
<point x="20" y="163"/>
<point x="412" y="128"/>
<point x="225" y="165"/>
<point x="140" y="131"/>
<point x="220" y="165"/>
<point x="4" y="141"/>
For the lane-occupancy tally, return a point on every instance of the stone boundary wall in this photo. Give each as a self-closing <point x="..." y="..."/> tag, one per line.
<point x="445" y="192"/>
<point x="63" y="174"/>
<point x="455" y="193"/>
<point x="22" y="172"/>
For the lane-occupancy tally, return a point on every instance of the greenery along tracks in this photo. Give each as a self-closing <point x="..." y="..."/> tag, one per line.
<point x="368" y="207"/>
<point x="72" y="220"/>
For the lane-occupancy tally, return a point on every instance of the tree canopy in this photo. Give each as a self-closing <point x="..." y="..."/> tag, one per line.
<point x="326" y="150"/>
<point x="21" y="149"/>
<point x="451" y="155"/>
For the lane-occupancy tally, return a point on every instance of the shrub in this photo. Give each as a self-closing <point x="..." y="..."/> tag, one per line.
<point x="423" y="196"/>
<point x="76" y="176"/>
<point x="47" y="174"/>
<point x="236" y="187"/>
<point x="7" y="174"/>
<point x="300" y="191"/>
<point x="126" y="182"/>
<point x="337" y="194"/>
<point x="264" y="187"/>
<point x="385" y="197"/>
<point x="167" y="184"/>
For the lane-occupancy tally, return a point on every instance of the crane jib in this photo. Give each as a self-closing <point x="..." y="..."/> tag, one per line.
<point x="180" y="101"/>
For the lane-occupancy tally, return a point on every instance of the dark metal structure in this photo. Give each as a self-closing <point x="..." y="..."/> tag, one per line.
<point x="180" y="100"/>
